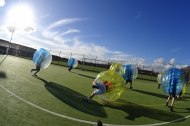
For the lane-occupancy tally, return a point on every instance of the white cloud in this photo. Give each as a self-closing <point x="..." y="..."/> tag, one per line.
<point x="170" y="64"/>
<point x="11" y="29"/>
<point x="63" y="22"/>
<point x="52" y="32"/>
<point x="159" y="62"/>
<point x="72" y="44"/>
<point x="70" y="31"/>
<point x="53" y="40"/>
<point x="125" y="58"/>
<point x="58" y="40"/>
<point x="158" y="65"/>
<point x="175" y="50"/>
<point x="172" y="61"/>
<point x="181" y="66"/>
<point x="29" y="29"/>
<point x="87" y="48"/>
<point x="2" y="3"/>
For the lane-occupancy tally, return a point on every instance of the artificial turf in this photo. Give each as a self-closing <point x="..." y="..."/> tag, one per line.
<point x="56" y="90"/>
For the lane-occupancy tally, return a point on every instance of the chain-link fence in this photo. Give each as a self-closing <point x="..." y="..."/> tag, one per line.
<point x="90" y="63"/>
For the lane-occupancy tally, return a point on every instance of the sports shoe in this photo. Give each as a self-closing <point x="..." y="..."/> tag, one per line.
<point x="99" y="123"/>
<point x="86" y="99"/>
<point x="171" y="109"/>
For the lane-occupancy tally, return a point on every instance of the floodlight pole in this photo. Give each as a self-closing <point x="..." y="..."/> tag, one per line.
<point x="7" y="51"/>
<point x="10" y="40"/>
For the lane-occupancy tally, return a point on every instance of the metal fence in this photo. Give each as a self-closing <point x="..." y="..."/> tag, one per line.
<point x="85" y="62"/>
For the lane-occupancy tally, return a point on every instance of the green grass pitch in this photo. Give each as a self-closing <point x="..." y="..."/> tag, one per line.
<point x="55" y="99"/>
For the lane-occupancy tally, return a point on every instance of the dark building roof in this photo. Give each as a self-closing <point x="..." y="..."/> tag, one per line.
<point x="16" y="46"/>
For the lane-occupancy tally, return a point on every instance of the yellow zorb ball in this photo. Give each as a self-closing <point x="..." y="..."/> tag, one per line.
<point x="159" y="78"/>
<point x="117" y="85"/>
<point x="184" y="89"/>
<point x="117" y="67"/>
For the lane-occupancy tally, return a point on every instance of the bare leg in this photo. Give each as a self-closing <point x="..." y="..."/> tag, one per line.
<point x="70" y="68"/>
<point x="33" y="70"/>
<point x="131" y="83"/>
<point x="169" y="97"/>
<point x="180" y="94"/>
<point x="36" y="72"/>
<point x="172" y="103"/>
<point x="159" y="86"/>
<point x="89" y="98"/>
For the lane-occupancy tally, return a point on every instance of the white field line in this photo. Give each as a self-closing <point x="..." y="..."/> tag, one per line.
<point x="79" y="120"/>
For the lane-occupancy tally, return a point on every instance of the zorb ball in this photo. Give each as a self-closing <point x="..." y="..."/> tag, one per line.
<point x="130" y="72"/>
<point x="159" y="77"/>
<point x="184" y="89"/>
<point x="117" y="87"/>
<point x="42" y="57"/>
<point x="72" y="62"/>
<point x="173" y="81"/>
<point x="117" y="67"/>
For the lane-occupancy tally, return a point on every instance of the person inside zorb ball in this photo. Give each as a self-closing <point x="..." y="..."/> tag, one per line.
<point x="172" y="84"/>
<point x="130" y="73"/>
<point x="159" y="79"/>
<point x="42" y="59"/>
<point x="117" y="67"/>
<point x="72" y="63"/>
<point x="108" y="85"/>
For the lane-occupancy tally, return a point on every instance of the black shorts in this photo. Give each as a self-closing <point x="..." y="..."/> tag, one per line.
<point x="180" y="93"/>
<point x="128" y="81"/>
<point x="173" y="94"/>
<point x="38" y="67"/>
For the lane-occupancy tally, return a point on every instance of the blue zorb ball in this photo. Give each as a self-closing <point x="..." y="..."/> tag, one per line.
<point x="42" y="57"/>
<point x="72" y="62"/>
<point x="130" y="72"/>
<point x="173" y="81"/>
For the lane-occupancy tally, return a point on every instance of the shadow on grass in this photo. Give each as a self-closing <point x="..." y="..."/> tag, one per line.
<point x="3" y="59"/>
<point x="183" y="110"/>
<point x="187" y="93"/>
<point x="84" y="75"/>
<point x="136" y="111"/>
<point x="151" y="93"/>
<point x="188" y="109"/>
<point x="73" y="99"/>
<point x="3" y="74"/>
<point x="184" y="98"/>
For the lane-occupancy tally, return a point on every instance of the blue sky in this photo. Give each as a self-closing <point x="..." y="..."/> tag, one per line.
<point x="145" y="31"/>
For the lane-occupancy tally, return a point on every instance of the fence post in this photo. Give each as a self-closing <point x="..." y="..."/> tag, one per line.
<point x="121" y="62"/>
<point x="83" y="60"/>
<point x="59" y="57"/>
<point x="71" y="55"/>
<point x="95" y="63"/>
<point x="108" y="63"/>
